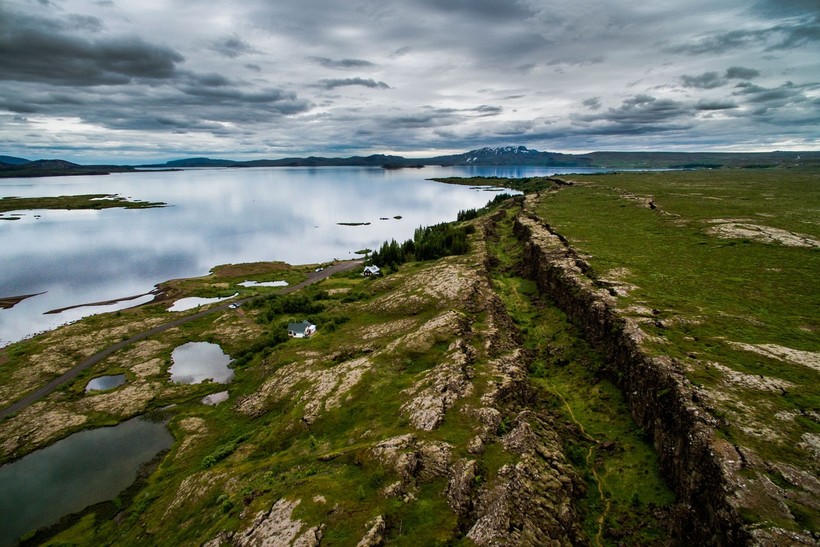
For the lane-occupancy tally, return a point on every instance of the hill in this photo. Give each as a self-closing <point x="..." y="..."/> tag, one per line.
<point x="486" y="157"/>
<point x="523" y="156"/>
<point x="11" y="160"/>
<point x="54" y="168"/>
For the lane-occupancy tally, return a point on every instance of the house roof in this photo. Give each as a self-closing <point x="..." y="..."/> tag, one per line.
<point x="299" y="327"/>
<point x="372" y="269"/>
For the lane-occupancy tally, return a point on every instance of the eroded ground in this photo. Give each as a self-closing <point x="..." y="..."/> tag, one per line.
<point x="424" y="411"/>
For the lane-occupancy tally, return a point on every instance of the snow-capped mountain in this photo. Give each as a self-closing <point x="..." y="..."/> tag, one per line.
<point x="508" y="155"/>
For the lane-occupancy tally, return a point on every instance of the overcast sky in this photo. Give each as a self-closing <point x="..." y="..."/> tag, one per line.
<point x="129" y="81"/>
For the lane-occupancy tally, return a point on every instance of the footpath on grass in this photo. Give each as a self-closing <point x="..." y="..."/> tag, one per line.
<point x="37" y="394"/>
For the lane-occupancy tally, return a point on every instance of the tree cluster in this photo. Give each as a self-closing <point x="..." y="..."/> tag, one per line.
<point x="428" y="243"/>
<point x="275" y="305"/>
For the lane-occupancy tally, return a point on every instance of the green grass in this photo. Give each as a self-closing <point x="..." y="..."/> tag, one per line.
<point x="603" y="443"/>
<point x="85" y="201"/>
<point x="710" y="291"/>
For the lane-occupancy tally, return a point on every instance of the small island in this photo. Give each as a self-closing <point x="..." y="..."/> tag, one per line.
<point x="86" y="201"/>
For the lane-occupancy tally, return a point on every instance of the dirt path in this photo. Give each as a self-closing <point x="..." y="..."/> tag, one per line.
<point x="39" y="393"/>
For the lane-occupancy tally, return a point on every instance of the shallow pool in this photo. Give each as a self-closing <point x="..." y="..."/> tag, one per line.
<point x="195" y="362"/>
<point x="102" y="383"/>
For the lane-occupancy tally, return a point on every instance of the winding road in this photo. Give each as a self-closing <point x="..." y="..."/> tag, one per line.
<point x="37" y="394"/>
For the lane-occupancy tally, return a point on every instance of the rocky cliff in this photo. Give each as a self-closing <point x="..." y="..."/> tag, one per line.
<point x="704" y="469"/>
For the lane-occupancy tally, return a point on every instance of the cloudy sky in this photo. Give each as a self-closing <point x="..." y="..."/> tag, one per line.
<point x="145" y="80"/>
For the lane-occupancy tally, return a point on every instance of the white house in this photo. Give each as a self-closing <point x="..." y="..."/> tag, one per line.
<point x="303" y="329"/>
<point x="371" y="270"/>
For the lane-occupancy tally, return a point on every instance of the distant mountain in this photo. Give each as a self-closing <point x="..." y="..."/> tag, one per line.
<point x="200" y="162"/>
<point x="502" y="156"/>
<point x="511" y="155"/>
<point x="54" y="168"/>
<point x="11" y="160"/>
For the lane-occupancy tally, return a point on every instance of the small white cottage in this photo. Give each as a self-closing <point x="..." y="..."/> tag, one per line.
<point x="371" y="270"/>
<point x="303" y="329"/>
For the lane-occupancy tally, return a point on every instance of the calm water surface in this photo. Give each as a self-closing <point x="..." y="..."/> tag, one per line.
<point x="215" y="216"/>
<point x="103" y="383"/>
<point x="85" y="468"/>
<point x="195" y="362"/>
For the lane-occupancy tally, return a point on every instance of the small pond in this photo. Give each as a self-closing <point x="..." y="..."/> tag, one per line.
<point x="215" y="398"/>
<point x="184" y="304"/>
<point x="81" y="470"/>
<point x="195" y="362"/>
<point x="263" y="284"/>
<point x="102" y="383"/>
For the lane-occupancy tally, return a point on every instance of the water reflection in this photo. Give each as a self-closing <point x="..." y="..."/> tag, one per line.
<point x="215" y="398"/>
<point x="81" y="470"/>
<point x="192" y="302"/>
<point x="195" y="362"/>
<point x="216" y="216"/>
<point x="102" y="383"/>
<point x="263" y="284"/>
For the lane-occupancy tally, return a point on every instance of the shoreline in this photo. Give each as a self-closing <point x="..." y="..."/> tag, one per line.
<point x="72" y="373"/>
<point x="154" y="292"/>
<point x="8" y="302"/>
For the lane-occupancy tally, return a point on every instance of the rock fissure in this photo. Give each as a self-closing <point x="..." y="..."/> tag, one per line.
<point x="696" y="461"/>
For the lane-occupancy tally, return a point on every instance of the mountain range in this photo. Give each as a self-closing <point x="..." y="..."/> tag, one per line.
<point x="521" y="155"/>
<point x="504" y="156"/>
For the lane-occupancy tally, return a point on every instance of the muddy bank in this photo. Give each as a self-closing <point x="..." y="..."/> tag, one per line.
<point x="8" y="302"/>
<point x="701" y="467"/>
<point x="154" y="292"/>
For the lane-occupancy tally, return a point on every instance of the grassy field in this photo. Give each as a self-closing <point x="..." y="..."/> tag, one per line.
<point x="722" y="268"/>
<point x="609" y="450"/>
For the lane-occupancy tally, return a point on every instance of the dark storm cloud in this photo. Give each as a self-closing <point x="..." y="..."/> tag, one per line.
<point x="641" y="114"/>
<point x="785" y="36"/>
<point x="485" y="10"/>
<point x="36" y="50"/>
<point x="719" y="43"/>
<point x="715" y="105"/>
<point x="788" y="92"/>
<point x="799" y="35"/>
<point x="285" y="102"/>
<point x="741" y="73"/>
<point x="84" y="23"/>
<point x="209" y="80"/>
<point x="487" y="110"/>
<point x="232" y="47"/>
<point x="779" y="8"/>
<point x="343" y="82"/>
<point x="707" y="80"/>
<point x="342" y="64"/>
<point x="593" y="103"/>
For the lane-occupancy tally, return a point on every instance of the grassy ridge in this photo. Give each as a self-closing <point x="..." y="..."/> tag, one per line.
<point x="709" y="300"/>
<point x="626" y="496"/>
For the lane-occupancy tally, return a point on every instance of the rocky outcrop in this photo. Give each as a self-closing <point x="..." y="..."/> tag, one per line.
<point x="272" y="528"/>
<point x="701" y="467"/>
<point x="375" y="533"/>
<point x="531" y="501"/>
<point x="440" y="387"/>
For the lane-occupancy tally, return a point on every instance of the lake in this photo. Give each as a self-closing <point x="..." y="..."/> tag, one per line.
<point x="214" y="216"/>
<point x="81" y="470"/>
